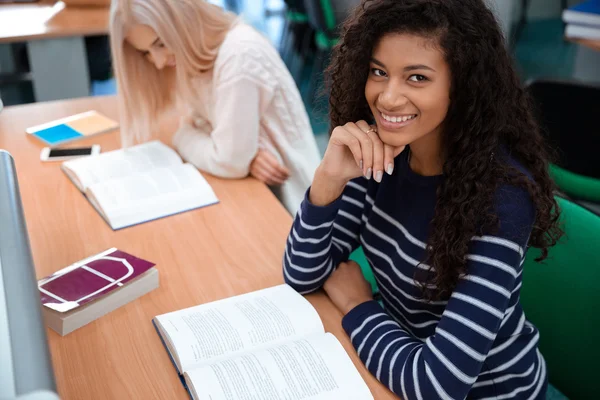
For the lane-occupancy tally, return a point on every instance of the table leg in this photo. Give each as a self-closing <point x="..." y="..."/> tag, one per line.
<point x="59" y="68"/>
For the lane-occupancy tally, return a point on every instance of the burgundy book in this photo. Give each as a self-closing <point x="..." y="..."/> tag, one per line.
<point x="90" y="279"/>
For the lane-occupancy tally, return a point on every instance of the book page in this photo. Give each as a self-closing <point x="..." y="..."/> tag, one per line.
<point x="87" y="171"/>
<point x="315" y="368"/>
<point x="133" y="189"/>
<point x="223" y="328"/>
<point x="156" y="193"/>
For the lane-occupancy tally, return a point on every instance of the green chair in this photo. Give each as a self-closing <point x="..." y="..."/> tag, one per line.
<point x="561" y="298"/>
<point x="295" y="38"/>
<point x="322" y="18"/>
<point x="359" y="257"/>
<point x="567" y="112"/>
<point x="575" y="185"/>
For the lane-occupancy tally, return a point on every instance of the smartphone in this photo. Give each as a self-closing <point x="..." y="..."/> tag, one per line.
<point x="51" y="154"/>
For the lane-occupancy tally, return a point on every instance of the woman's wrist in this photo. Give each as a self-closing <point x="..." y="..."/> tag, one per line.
<point x="353" y="303"/>
<point x="325" y="189"/>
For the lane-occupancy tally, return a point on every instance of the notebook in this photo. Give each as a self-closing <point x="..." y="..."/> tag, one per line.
<point x="586" y="13"/>
<point x="88" y="289"/>
<point x="267" y="344"/>
<point x="72" y="128"/>
<point x="139" y="184"/>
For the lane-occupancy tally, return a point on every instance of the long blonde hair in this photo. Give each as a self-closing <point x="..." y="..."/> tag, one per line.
<point x="192" y="29"/>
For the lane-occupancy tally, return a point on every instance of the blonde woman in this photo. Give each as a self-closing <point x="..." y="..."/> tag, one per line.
<point x="244" y="113"/>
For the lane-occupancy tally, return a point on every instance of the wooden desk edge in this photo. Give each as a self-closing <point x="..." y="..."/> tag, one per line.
<point x="54" y="35"/>
<point x="90" y="21"/>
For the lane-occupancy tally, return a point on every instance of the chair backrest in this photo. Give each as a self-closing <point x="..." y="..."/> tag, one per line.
<point x="321" y="15"/>
<point x="576" y="186"/>
<point x="568" y="112"/>
<point x="561" y="298"/>
<point x="295" y="6"/>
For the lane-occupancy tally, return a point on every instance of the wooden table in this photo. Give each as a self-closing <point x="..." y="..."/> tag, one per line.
<point x="55" y="43"/>
<point x="202" y="255"/>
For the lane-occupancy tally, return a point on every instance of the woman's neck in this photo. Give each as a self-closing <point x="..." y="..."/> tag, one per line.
<point x="425" y="157"/>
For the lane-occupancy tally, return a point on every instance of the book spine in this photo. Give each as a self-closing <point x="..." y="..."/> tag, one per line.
<point x="179" y="373"/>
<point x="582" y="32"/>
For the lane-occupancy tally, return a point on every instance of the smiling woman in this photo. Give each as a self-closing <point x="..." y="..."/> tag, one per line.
<point x="435" y="166"/>
<point x="408" y="93"/>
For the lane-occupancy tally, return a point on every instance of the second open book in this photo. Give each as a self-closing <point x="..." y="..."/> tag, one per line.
<point x="139" y="184"/>
<point x="268" y="344"/>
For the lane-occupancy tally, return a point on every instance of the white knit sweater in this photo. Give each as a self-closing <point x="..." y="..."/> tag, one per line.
<point x="247" y="102"/>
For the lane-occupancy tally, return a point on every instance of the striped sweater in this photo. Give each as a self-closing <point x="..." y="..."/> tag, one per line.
<point x="477" y="344"/>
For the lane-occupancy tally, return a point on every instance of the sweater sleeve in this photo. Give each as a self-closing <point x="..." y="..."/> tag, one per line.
<point x="241" y="93"/>
<point x="447" y="364"/>
<point x="322" y="237"/>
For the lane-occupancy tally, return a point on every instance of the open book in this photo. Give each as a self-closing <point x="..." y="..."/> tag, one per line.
<point x="268" y="344"/>
<point x="139" y="184"/>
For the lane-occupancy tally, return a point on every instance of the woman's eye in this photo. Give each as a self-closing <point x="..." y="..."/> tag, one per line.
<point x="417" y="78"/>
<point x="378" y="72"/>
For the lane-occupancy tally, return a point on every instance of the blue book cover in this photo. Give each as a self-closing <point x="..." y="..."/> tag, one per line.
<point x="586" y="13"/>
<point x="589" y="7"/>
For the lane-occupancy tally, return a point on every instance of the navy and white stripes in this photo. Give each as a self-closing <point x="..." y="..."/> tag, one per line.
<point x="477" y="343"/>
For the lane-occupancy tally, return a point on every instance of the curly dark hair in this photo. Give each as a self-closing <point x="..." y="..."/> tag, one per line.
<point x="489" y="112"/>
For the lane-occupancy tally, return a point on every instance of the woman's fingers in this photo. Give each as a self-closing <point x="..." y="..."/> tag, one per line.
<point x="266" y="178"/>
<point x="343" y="136"/>
<point x="274" y="170"/>
<point x="268" y="168"/>
<point x="390" y="153"/>
<point x="269" y="160"/>
<point x="378" y="149"/>
<point x="378" y="154"/>
<point x="372" y="156"/>
<point x="366" y="146"/>
<point x="269" y="176"/>
<point x="388" y="158"/>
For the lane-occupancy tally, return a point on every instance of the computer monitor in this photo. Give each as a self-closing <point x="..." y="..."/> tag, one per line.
<point x="25" y="366"/>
